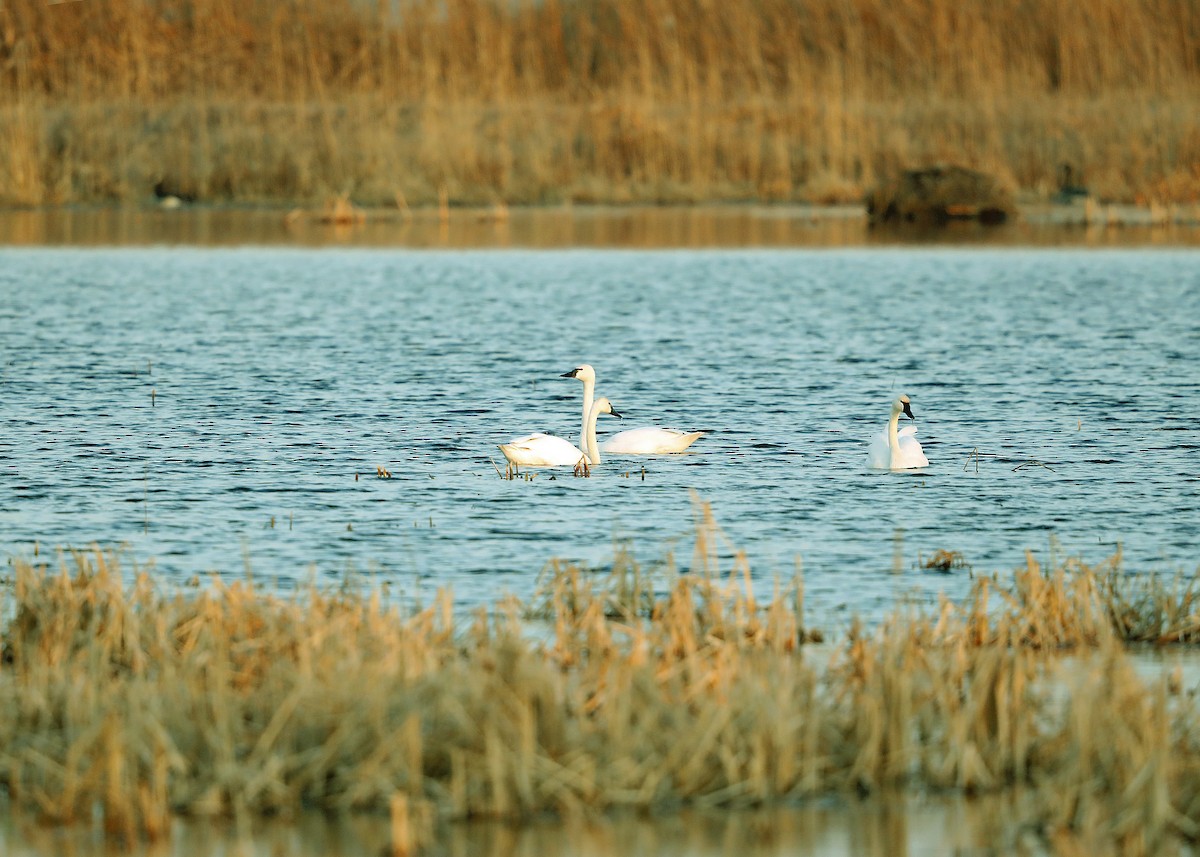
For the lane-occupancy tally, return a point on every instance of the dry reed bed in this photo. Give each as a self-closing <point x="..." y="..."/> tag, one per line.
<point x="591" y="100"/>
<point x="631" y="690"/>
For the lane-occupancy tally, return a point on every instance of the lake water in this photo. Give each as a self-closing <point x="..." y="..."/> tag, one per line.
<point x="215" y="409"/>
<point x="887" y="825"/>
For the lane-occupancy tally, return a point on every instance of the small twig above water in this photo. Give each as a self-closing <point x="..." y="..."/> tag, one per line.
<point x="976" y="454"/>
<point x="1034" y="464"/>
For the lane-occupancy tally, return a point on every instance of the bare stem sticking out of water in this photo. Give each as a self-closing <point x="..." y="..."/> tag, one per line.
<point x="976" y="455"/>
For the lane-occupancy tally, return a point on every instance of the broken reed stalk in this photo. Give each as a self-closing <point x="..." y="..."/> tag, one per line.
<point x="641" y="689"/>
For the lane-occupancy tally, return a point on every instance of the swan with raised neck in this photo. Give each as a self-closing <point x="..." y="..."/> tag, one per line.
<point x="546" y="450"/>
<point x="894" y="449"/>
<point x="650" y="440"/>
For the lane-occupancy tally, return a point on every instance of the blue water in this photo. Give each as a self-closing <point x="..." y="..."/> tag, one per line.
<point x="224" y="409"/>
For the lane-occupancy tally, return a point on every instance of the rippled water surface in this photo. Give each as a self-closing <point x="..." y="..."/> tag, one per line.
<point x="214" y="409"/>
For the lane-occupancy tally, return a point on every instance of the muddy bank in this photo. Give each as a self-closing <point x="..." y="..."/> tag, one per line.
<point x="1039" y="224"/>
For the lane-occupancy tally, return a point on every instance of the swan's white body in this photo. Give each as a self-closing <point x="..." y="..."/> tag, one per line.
<point x="897" y="449"/>
<point x="649" y="441"/>
<point x="641" y="441"/>
<point x="547" y="450"/>
<point x="541" y="450"/>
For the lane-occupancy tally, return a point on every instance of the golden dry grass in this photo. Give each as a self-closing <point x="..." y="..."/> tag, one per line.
<point x="638" y="690"/>
<point x="591" y="100"/>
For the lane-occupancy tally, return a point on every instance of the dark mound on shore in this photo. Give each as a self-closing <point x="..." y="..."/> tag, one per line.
<point x="938" y="195"/>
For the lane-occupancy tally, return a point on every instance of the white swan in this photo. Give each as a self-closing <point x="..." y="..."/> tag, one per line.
<point x="640" y="441"/>
<point x="897" y="450"/>
<point x="547" y="450"/>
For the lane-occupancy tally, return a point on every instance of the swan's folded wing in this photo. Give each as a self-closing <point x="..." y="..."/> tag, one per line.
<point x="649" y="441"/>
<point x="911" y="454"/>
<point x="907" y="431"/>
<point x="541" y="450"/>
<point x="878" y="453"/>
<point x="525" y="441"/>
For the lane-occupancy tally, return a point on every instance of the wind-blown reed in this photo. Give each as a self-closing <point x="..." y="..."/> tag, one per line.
<point x="627" y="690"/>
<point x="591" y="100"/>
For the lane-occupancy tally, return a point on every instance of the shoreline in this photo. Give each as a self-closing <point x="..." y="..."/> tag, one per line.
<point x="633" y="226"/>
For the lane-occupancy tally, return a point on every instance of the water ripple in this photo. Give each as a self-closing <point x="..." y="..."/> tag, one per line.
<point x="1055" y="394"/>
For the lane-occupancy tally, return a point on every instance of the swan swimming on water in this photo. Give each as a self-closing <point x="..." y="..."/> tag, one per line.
<point x="546" y="450"/>
<point x="897" y="450"/>
<point x="640" y="441"/>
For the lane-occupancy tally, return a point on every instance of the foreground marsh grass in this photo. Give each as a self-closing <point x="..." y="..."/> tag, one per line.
<point x="420" y="102"/>
<point x="632" y="690"/>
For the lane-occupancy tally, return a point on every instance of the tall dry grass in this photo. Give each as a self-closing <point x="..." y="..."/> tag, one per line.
<point x="631" y="690"/>
<point x="591" y="100"/>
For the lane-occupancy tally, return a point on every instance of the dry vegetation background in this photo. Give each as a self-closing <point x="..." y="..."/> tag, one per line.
<point x="547" y="101"/>
<point x="638" y="690"/>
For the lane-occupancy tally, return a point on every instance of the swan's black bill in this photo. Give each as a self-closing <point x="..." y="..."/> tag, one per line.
<point x="615" y="414"/>
<point x="573" y="373"/>
<point x="908" y="412"/>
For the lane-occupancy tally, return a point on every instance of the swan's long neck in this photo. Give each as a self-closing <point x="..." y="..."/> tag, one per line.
<point x="894" y="437"/>
<point x="589" y="432"/>
<point x="589" y="393"/>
